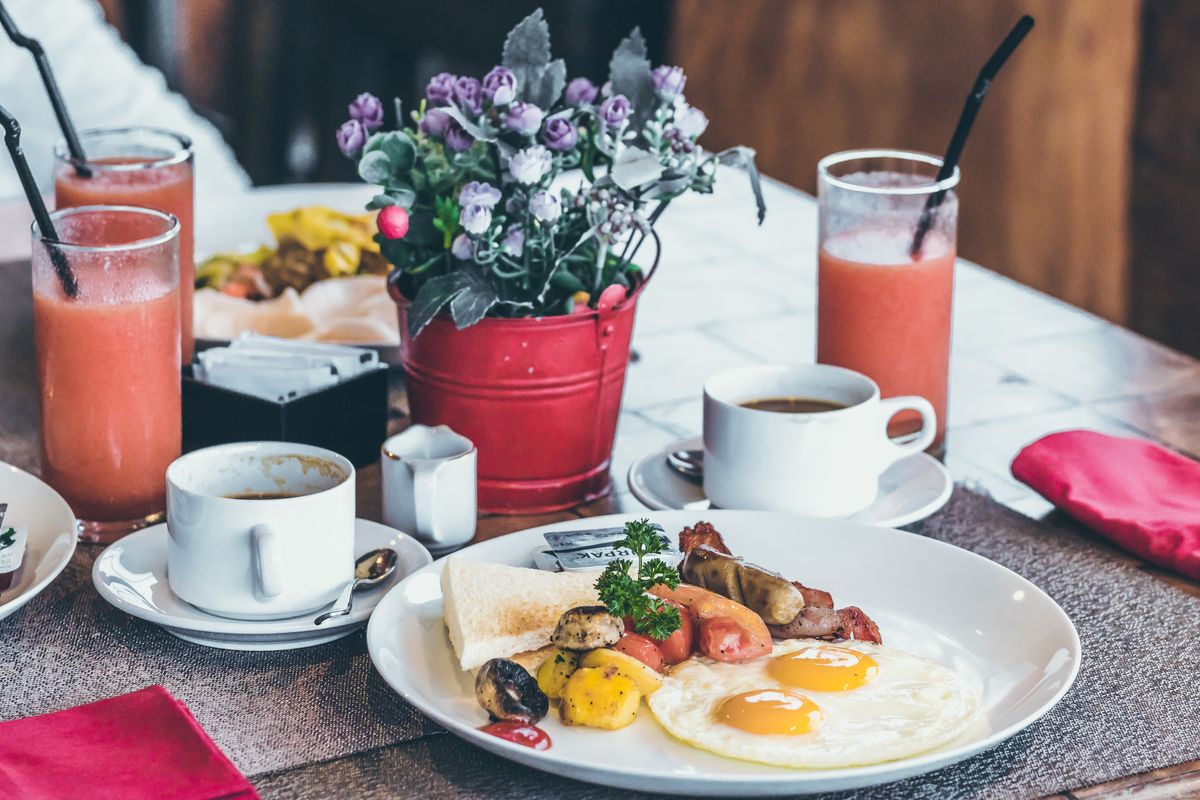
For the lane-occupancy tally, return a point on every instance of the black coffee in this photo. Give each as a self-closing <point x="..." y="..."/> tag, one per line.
<point x="261" y="495"/>
<point x="792" y="405"/>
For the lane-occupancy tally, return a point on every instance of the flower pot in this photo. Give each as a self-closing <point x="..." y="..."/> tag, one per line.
<point x="539" y="397"/>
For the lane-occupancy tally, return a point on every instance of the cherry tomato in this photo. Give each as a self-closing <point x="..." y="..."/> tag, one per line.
<point x="723" y="639"/>
<point x="678" y="646"/>
<point x="519" y="732"/>
<point x="643" y="648"/>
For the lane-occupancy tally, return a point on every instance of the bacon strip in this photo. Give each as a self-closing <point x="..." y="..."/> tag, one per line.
<point x="702" y="533"/>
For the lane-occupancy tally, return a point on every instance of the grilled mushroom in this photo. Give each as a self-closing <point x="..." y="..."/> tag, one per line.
<point x="507" y="691"/>
<point x="587" y="628"/>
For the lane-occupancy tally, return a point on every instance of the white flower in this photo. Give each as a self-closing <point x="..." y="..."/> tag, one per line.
<point x="461" y="248"/>
<point x="475" y="219"/>
<point x="545" y="207"/>
<point x="479" y="194"/>
<point x="691" y="121"/>
<point x="530" y="165"/>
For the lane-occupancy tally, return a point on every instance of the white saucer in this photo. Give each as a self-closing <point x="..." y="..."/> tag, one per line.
<point x="132" y="575"/>
<point x="910" y="490"/>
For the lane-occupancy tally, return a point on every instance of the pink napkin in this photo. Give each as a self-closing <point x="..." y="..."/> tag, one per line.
<point x="1135" y="493"/>
<point x="140" y="746"/>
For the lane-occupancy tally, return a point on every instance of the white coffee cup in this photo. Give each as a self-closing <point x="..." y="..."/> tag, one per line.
<point x="825" y="463"/>
<point x="429" y="485"/>
<point x="260" y="558"/>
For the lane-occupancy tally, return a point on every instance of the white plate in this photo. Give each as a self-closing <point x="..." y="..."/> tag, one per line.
<point x="132" y="575"/>
<point x="929" y="598"/>
<point x="51" y="539"/>
<point x="910" y="490"/>
<point x="240" y="224"/>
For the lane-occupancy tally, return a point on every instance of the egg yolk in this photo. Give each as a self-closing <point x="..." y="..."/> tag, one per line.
<point x="823" y="669"/>
<point x="769" y="711"/>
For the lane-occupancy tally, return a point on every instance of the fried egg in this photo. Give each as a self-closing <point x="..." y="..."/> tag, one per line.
<point x="816" y="705"/>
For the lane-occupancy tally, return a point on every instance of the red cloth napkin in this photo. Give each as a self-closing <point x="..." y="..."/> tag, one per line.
<point x="1138" y="494"/>
<point x="140" y="745"/>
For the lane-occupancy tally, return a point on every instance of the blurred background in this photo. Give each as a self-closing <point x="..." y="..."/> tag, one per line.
<point x="1082" y="177"/>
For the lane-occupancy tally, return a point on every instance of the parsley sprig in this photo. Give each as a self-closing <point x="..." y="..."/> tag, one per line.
<point x="626" y="595"/>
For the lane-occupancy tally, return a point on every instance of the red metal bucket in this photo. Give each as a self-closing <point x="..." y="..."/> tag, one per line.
<point x="538" y="397"/>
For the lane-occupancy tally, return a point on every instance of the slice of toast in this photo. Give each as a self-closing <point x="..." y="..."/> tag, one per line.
<point x="496" y="611"/>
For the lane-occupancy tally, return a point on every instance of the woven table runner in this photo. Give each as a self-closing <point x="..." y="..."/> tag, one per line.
<point x="266" y="710"/>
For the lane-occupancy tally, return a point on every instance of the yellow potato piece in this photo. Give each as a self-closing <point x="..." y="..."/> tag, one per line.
<point x="599" y="698"/>
<point x="647" y="680"/>
<point x="555" y="671"/>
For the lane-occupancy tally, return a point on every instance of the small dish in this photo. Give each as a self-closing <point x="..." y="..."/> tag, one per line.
<point x="131" y="575"/>
<point x="50" y="523"/>
<point x="910" y="490"/>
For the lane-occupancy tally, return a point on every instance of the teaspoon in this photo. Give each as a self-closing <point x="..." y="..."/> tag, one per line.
<point x="370" y="569"/>
<point x="689" y="463"/>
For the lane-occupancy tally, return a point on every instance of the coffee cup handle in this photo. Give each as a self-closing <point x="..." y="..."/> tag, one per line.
<point x="893" y="405"/>
<point x="425" y="495"/>
<point x="268" y="579"/>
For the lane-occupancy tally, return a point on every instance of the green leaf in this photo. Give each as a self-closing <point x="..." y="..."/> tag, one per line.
<point x="629" y="71"/>
<point x="527" y="55"/>
<point x="635" y="167"/>
<point x="380" y="201"/>
<point x="475" y="299"/>
<point x="375" y="167"/>
<point x="433" y="295"/>
<point x="545" y="89"/>
<point x="401" y="151"/>
<point x="742" y="158"/>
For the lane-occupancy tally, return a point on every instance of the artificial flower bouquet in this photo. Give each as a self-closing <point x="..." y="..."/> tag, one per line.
<point x="523" y="194"/>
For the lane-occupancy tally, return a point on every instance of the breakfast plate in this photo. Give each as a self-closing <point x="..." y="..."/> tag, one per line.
<point x="909" y="490"/>
<point x="49" y="524"/>
<point x="131" y="575"/>
<point x="994" y="629"/>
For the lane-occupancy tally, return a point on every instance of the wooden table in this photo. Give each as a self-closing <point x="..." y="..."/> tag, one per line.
<point x="729" y="293"/>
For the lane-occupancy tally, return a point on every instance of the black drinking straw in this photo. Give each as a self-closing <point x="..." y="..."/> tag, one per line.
<point x="56" y="100"/>
<point x="963" y="129"/>
<point x="12" y="139"/>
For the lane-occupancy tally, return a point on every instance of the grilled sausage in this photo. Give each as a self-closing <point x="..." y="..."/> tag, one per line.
<point x="769" y="595"/>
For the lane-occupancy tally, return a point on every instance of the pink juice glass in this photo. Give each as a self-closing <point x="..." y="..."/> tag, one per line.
<point x="108" y="364"/>
<point x="144" y="167"/>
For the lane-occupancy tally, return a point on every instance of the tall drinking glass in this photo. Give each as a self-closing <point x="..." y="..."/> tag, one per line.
<point x="144" y="167"/>
<point x="882" y="310"/>
<point x="108" y="364"/>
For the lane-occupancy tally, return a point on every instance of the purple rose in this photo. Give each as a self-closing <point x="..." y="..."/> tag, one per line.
<point x="351" y="137"/>
<point x="668" y="81"/>
<point x="458" y="139"/>
<point x="524" y="118"/>
<point x="514" y="242"/>
<point x="435" y="123"/>
<point x="440" y="90"/>
<point x="560" y="134"/>
<point x="580" y="92"/>
<point x="476" y="193"/>
<point x="614" y="111"/>
<point x="500" y="86"/>
<point x="469" y="94"/>
<point x="367" y="109"/>
<point x="475" y="219"/>
<point x="462" y="248"/>
<point x="545" y="206"/>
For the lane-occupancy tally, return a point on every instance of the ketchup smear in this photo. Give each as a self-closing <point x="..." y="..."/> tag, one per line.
<point x="519" y="733"/>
